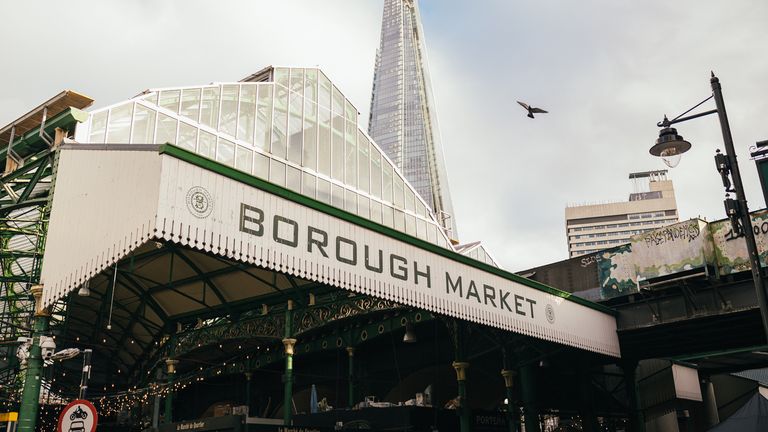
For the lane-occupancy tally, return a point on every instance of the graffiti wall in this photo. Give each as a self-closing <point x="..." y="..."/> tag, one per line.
<point x="665" y="251"/>
<point x="731" y="251"/>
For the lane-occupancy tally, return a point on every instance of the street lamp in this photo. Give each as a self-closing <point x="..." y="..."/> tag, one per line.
<point x="670" y="146"/>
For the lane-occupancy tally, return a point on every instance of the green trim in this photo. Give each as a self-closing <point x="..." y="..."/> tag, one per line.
<point x="266" y="186"/>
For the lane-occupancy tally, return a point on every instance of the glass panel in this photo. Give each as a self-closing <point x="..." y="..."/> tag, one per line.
<point x="151" y="98"/>
<point x="337" y="104"/>
<point x="386" y="186"/>
<point x="293" y="179"/>
<point x="337" y="146"/>
<point x="207" y="144"/>
<point x="143" y="125"/>
<point x="166" y="129"/>
<point x="363" y="163"/>
<point x="399" y="221"/>
<point x="376" y="211"/>
<point x="243" y="159"/>
<point x="363" y="205"/>
<point x="169" y="99"/>
<point x="190" y="103"/>
<point x="409" y="198"/>
<point x="351" y="112"/>
<point x="387" y="215"/>
<point x="410" y="225"/>
<point x="297" y="80"/>
<point x="98" y="127"/>
<point x="324" y="142"/>
<point x="261" y="166"/>
<point x="310" y="134"/>
<point x="324" y="191"/>
<point x="264" y="120"/>
<point x="338" y="197"/>
<point x="350" y="201"/>
<point x="308" y="185"/>
<point x="295" y="129"/>
<point x="324" y="93"/>
<point x="225" y="152"/>
<point x="277" y="172"/>
<point x="281" y="76"/>
<point x="310" y="84"/>
<point x="421" y="229"/>
<point x="247" y="120"/>
<point x="119" y="130"/>
<point x="398" y="191"/>
<point x="421" y="210"/>
<point x="279" y="124"/>
<point x="350" y="137"/>
<point x="431" y="233"/>
<point x="375" y="172"/>
<point x="209" y="111"/>
<point x="228" y="122"/>
<point x="187" y="136"/>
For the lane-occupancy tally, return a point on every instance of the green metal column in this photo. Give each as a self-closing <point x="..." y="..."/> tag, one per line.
<point x="461" y="378"/>
<point x="30" y="398"/>
<point x="351" y="375"/>
<point x="636" y="417"/>
<point x="528" y="389"/>
<point x="171" y="365"/>
<point x="509" y="378"/>
<point x="289" y="343"/>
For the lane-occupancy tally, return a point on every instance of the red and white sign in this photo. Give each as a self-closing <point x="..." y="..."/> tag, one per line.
<point x="79" y="416"/>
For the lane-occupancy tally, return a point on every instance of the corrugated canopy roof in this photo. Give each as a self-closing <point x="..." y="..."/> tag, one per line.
<point x="34" y="118"/>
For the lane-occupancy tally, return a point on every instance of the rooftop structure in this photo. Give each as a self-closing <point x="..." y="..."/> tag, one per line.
<point x="403" y="120"/>
<point x="594" y="227"/>
<point x="290" y="126"/>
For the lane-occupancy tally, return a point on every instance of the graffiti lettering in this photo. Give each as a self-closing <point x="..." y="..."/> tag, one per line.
<point x="587" y="261"/>
<point x="672" y="233"/>
<point x="757" y="229"/>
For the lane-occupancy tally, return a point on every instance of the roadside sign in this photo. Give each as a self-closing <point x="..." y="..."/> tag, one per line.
<point x="79" y="416"/>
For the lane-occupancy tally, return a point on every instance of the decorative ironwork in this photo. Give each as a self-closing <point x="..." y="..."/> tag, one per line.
<point x="318" y="316"/>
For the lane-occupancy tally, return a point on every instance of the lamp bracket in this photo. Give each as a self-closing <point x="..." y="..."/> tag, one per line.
<point x="679" y="119"/>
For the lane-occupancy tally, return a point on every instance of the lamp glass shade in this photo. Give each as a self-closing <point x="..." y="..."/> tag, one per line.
<point x="670" y="146"/>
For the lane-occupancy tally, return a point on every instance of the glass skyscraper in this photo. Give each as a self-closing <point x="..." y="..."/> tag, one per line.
<point x="403" y="120"/>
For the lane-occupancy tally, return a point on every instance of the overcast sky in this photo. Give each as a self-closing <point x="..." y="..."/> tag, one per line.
<point x="606" y="70"/>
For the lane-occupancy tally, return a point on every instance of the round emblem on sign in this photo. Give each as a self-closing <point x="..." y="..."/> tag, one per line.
<point x="199" y="202"/>
<point x="549" y="311"/>
<point x="80" y="415"/>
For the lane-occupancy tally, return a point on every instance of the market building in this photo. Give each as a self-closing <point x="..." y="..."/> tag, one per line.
<point x="245" y="250"/>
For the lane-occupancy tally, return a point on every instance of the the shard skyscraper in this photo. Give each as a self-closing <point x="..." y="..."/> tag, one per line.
<point x="403" y="121"/>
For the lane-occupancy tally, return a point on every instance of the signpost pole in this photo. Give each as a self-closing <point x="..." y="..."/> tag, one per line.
<point x="30" y="397"/>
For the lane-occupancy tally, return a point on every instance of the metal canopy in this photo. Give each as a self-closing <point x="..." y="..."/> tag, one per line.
<point x="34" y="118"/>
<point x="113" y="201"/>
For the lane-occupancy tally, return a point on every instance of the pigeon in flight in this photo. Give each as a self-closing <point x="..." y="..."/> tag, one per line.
<point x="531" y="110"/>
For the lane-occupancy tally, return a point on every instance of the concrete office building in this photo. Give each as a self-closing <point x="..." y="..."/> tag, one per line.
<point x="403" y="120"/>
<point x="590" y="228"/>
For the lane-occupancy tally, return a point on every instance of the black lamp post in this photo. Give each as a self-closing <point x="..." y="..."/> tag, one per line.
<point x="670" y="146"/>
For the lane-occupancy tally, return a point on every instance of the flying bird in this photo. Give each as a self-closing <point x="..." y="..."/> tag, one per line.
<point x="531" y="109"/>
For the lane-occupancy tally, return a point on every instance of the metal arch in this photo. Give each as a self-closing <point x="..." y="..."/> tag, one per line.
<point x="205" y="279"/>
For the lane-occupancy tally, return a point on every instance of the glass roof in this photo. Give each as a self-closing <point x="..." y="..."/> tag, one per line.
<point x="296" y="130"/>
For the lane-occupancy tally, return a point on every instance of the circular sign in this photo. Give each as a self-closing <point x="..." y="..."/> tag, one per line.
<point x="79" y="416"/>
<point x="549" y="311"/>
<point x="199" y="202"/>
